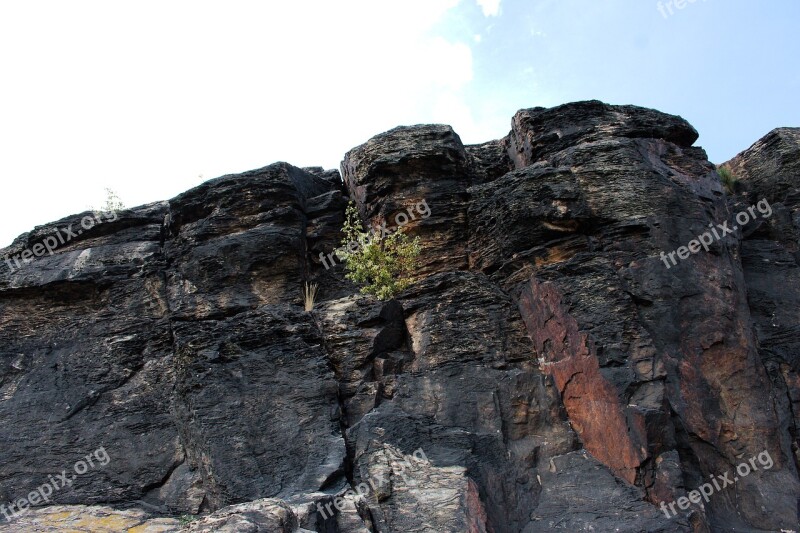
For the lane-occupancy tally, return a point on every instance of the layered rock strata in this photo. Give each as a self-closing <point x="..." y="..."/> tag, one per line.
<point x="547" y="370"/>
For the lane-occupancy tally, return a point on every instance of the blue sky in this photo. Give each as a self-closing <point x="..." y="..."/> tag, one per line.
<point x="151" y="98"/>
<point x="730" y="67"/>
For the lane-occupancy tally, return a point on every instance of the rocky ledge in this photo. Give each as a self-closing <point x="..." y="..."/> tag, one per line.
<point x="547" y="370"/>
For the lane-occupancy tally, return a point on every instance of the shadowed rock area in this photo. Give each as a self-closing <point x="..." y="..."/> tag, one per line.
<point x="548" y="370"/>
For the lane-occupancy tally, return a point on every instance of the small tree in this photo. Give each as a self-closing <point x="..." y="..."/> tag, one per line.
<point x="383" y="265"/>
<point x="113" y="202"/>
<point x="727" y="179"/>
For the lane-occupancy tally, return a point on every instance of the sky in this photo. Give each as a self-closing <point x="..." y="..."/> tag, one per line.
<point x="151" y="98"/>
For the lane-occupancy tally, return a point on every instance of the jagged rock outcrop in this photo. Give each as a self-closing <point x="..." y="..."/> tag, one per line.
<point x="547" y="370"/>
<point x="770" y="256"/>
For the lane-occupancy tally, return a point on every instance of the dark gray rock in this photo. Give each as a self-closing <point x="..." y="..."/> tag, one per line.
<point x="770" y="167"/>
<point x="546" y="370"/>
<point x="389" y="175"/>
<point x="539" y="132"/>
<point x="256" y="405"/>
<point x="489" y="160"/>
<point x="769" y="172"/>
<point x="570" y="501"/>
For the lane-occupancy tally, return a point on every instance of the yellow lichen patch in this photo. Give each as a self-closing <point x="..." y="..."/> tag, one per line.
<point x="60" y="516"/>
<point x="85" y="519"/>
<point x="159" y="525"/>
<point x="110" y="523"/>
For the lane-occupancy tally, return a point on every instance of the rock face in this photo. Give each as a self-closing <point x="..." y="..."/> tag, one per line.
<point x="549" y="369"/>
<point x="770" y="257"/>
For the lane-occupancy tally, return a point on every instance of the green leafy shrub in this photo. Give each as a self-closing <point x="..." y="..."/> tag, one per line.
<point x="187" y="519"/>
<point x="727" y="179"/>
<point x="112" y="205"/>
<point x="383" y="264"/>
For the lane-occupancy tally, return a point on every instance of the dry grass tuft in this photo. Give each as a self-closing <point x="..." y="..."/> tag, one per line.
<point x="309" y="295"/>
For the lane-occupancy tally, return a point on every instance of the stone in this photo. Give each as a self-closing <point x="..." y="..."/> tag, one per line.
<point x="546" y="369"/>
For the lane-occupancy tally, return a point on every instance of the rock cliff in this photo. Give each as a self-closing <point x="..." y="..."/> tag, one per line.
<point x="549" y="369"/>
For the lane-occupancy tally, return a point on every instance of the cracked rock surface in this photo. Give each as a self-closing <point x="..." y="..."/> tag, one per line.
<point x="545" y="371"/>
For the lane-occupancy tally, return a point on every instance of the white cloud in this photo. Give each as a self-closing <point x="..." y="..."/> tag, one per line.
<point x="491" y="8"/>
<point x="143" y="97"/>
